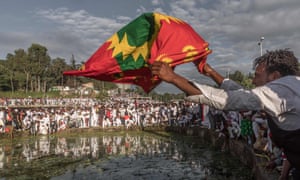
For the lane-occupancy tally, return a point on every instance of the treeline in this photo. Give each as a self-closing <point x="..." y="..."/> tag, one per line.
<point x="35" y="71"/>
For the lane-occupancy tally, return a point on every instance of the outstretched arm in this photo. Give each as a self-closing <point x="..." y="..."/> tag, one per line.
<point x="210" y="72"/>
<point x="207" y="70"/>
<point x="166" y="73"/>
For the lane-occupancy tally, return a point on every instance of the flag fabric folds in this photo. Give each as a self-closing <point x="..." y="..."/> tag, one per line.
<point x="126" y="56"/>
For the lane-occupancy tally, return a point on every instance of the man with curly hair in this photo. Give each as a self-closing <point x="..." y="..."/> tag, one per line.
<point x="277" y="93"/>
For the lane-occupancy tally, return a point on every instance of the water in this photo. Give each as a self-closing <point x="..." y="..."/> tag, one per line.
<point x="119" y="156"/>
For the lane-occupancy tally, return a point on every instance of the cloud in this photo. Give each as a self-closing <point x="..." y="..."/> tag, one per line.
<point x="232" y="28"/>
<point x="79" y="32"/>
<point x="82" y="23"/>
<point x="156" y="2"/>
<point x="22" y="39"/>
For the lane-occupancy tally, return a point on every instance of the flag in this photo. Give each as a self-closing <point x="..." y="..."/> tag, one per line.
<point x="126" y="56"/>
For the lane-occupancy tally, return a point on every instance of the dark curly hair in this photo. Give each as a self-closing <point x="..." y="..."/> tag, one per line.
<point x="282" y="60"/>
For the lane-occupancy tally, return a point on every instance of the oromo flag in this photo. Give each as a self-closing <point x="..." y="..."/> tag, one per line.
<point x="125" y="57"/>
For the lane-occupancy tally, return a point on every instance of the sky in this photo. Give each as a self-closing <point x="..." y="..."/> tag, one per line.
<point x="233" y="28"/>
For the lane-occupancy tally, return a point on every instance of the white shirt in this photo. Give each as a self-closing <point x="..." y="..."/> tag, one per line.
<point x="279" y="98"/>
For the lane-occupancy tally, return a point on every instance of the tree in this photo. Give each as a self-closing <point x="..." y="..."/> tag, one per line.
<point x="9" y="68"/>
<point x="237" y="76"/>
<point x="57" y="67"/>
<point x="73" y="67"/>
<point x="242" y="79"/>
<point x="40" y="61"/>
<point x="4" y="77"/>
<point x="22" y="68"/>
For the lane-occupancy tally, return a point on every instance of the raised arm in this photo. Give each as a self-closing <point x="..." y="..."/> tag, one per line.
<point x="210" y="72"/>
<point x="207" y="70"/>
<point x="166" y="73"/>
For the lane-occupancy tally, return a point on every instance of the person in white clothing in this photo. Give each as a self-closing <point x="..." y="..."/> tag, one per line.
<point x="276" y="93"/>
<point x="259" y="126"/>
<point x="117" y="121"/>
<point x="94" y="116"/>
<point x="2" y="120"/>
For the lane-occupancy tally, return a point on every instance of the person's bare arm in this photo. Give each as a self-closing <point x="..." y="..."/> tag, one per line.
<point x="210" y="72"/>
<point x="166" y="73"/>
<point x="286" y="166"/>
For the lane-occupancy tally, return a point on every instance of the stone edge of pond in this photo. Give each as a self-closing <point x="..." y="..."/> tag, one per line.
<point x="20" y="134"/>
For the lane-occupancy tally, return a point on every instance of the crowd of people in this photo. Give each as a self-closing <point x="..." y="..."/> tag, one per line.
<point x="47" y="116"/>
<point x="252" y="128"/>
<point x="52" y="115"/>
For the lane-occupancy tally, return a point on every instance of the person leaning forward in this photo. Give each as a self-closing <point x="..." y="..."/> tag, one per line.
<point x="277" y="93"/>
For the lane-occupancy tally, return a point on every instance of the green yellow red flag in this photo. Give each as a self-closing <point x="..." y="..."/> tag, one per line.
<point x="126" y="56"/>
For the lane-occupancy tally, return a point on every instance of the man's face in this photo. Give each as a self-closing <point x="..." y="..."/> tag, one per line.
<point x="261" y="77"/>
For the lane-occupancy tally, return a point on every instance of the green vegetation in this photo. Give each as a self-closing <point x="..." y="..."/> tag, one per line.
<point x="21" y="94"/>
<point x="242" y="79"/>
<point x="35" y="71"/>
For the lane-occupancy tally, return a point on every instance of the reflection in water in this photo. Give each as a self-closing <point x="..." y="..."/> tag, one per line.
<point x="46" y="157"/>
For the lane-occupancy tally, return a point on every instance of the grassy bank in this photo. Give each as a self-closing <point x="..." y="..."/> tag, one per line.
<point x="22" y="94"/>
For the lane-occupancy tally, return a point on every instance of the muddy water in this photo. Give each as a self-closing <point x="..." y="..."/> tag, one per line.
<point x="116" y="156"/>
